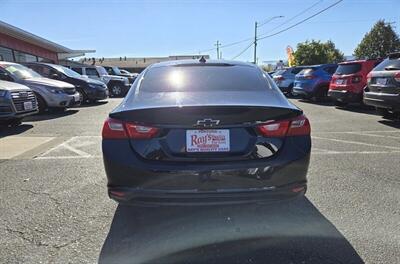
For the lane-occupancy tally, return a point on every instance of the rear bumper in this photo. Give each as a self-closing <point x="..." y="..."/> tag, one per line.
<point x="388" y="101"/>
<point x="132" y="179"/>
<point x="302" y="92"/>
<point x="345" y="96"/>
<point x="162" y="197"/>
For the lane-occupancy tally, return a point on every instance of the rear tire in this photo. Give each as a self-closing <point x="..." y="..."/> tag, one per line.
<point x="340" y="104"/>
<point x="383" y="112"/>
<point x="321" y="94"/>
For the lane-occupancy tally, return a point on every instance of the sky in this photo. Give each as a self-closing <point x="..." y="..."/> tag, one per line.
<point x="162" y="28"/>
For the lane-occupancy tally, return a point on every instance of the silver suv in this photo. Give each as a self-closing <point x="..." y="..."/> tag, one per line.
<point x="118" y="86"/>
<point x="50" y="93"/>
<point x="16" y="102"/>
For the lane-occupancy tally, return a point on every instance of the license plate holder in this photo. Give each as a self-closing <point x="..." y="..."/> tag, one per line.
<point x="208" y="140"/>
<point x="28" y="106"/>
<point x="381" y="81"/>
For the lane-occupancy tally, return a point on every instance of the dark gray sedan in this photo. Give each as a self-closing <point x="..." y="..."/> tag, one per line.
<point x="205" y="132"/>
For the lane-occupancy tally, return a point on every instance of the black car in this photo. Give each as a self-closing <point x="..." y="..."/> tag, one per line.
<point x="205" y="132"/>
<point x="116" y="71"/>
<point x="90" y="90"/>
<point x="383" y="86"/>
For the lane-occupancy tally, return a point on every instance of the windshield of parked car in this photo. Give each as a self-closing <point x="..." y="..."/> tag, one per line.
<point x="101" y="70"/>
<point x="21" y="72"/>
<point x="203" y="78"/>
<point x="66" y="71"/>
<point x="388" y="64"/>
<point x="348" y="68"/>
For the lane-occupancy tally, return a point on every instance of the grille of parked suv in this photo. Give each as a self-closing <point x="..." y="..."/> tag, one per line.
<point x="69" y="90"/>
<point x="20" y="97"/>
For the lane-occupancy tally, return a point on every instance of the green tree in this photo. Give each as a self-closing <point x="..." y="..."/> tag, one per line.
<point x="317" y="52"/>
<point x="378" y="42"/>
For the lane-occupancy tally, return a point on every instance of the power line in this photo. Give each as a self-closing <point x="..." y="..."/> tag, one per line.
<point x="251" y="44"/>
<point x="302" y="21"/>
<point x="251" y="38"/>
<point x="292" y="18"/>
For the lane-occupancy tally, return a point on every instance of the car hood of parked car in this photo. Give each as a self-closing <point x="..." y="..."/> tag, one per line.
<point x="114" y="77"/>
<point x="10" y="86"/>
<point x="47" y="82"/>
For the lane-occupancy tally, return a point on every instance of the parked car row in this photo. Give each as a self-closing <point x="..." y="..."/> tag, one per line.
<point x="373" y="82"/>
<point x="36" y="87"/>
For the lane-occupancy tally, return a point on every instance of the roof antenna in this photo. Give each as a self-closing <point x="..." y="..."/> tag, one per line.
<point x="202" y="59"/>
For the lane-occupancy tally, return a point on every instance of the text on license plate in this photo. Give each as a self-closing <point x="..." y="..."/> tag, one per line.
<point x="207" y="140"/>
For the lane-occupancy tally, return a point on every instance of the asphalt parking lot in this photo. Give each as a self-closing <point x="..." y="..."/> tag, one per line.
<point x="54" y="206"/>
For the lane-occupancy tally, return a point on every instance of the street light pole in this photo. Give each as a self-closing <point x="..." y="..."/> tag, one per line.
<point x="256" y="26"/>
<point x="255" y="43"/>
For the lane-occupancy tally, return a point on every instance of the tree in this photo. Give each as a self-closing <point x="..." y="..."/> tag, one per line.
<point x="378" y="42"/>
<point x="316" y="52"/>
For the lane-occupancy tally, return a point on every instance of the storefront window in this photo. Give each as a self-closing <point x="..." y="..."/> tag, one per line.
<point x="6" y="54"/>
<point x="40" y="59"/>
<point x="24" y="57"/>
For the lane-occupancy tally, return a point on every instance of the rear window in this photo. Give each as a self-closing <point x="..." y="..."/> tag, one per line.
<point x="280" y="72"/>
<point x="348" y="68"/>
<point x="296" y="70"/>
<point x="389" y="64"/>
<point x="203" y="78"/>
<point x="307" y="71"/>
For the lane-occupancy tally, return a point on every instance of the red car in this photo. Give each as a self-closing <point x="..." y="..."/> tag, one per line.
<point x="348" y="81"/>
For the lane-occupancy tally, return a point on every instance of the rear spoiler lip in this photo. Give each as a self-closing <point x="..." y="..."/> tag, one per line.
<point x="292" y="112"/>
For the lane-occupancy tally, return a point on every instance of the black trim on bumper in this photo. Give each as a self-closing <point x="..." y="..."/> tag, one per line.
<point x="381" y="100"/>
<point x="163" y="197"/>
<point x="344" y="96"/>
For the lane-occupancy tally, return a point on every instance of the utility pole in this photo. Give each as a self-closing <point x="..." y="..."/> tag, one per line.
<point x="218" y="45"/>
<point x="256" y="26"/>
<point x="255" y="43"/>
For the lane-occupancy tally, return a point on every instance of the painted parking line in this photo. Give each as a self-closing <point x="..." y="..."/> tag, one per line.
<point x="357" y="143"/>
<point x="79" y="147"/>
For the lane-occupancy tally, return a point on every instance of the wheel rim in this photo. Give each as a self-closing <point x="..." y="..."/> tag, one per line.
<point x="116" y="90"/>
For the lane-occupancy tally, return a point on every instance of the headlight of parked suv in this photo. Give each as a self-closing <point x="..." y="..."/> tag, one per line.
<point x="94" y="86"/>
<point x="57" y="91"/>
<point x="3" y="93"/>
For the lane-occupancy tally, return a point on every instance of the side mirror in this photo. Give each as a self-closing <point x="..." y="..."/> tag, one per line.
<point x="6" y="77"/>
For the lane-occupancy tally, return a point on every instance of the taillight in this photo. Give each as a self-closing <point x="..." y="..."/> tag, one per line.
<point x="140" y="132"/>
<point x="298" y="126"/>
<point x="397" y="77"/>
<point x="117" y="129"/>
<point x="356" y="79"/>
<point x="369" y="76"/>
<point x="280" y="78"/>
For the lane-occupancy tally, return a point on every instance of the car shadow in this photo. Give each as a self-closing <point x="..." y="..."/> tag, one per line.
<point x="50" y="115"/>
<point x="281" y="232"/>
<point x="325" y="102"/>
<point x="395" y="123"/>
<point x="362" y="109"/>
<point x="89" y="104"/>
<point x="13" y="130"/>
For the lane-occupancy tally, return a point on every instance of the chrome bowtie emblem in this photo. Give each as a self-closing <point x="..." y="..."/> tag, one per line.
<point x="207" y="122"/>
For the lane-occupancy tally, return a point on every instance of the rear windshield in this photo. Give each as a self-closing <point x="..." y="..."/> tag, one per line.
<point x="203" y="78"/>
<point x="306" y="71"/>
<point x="296" y="70"/>
<point x="388" y="64"/>
<point x="280" y="72"/>
<point x="348" y="68"/>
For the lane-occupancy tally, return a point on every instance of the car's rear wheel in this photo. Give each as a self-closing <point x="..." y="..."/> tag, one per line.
<point x="116" y="90"/>
<point x="321" y="94"/>
<point x="339" y="103"/>
<point x="42" y="105"/>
